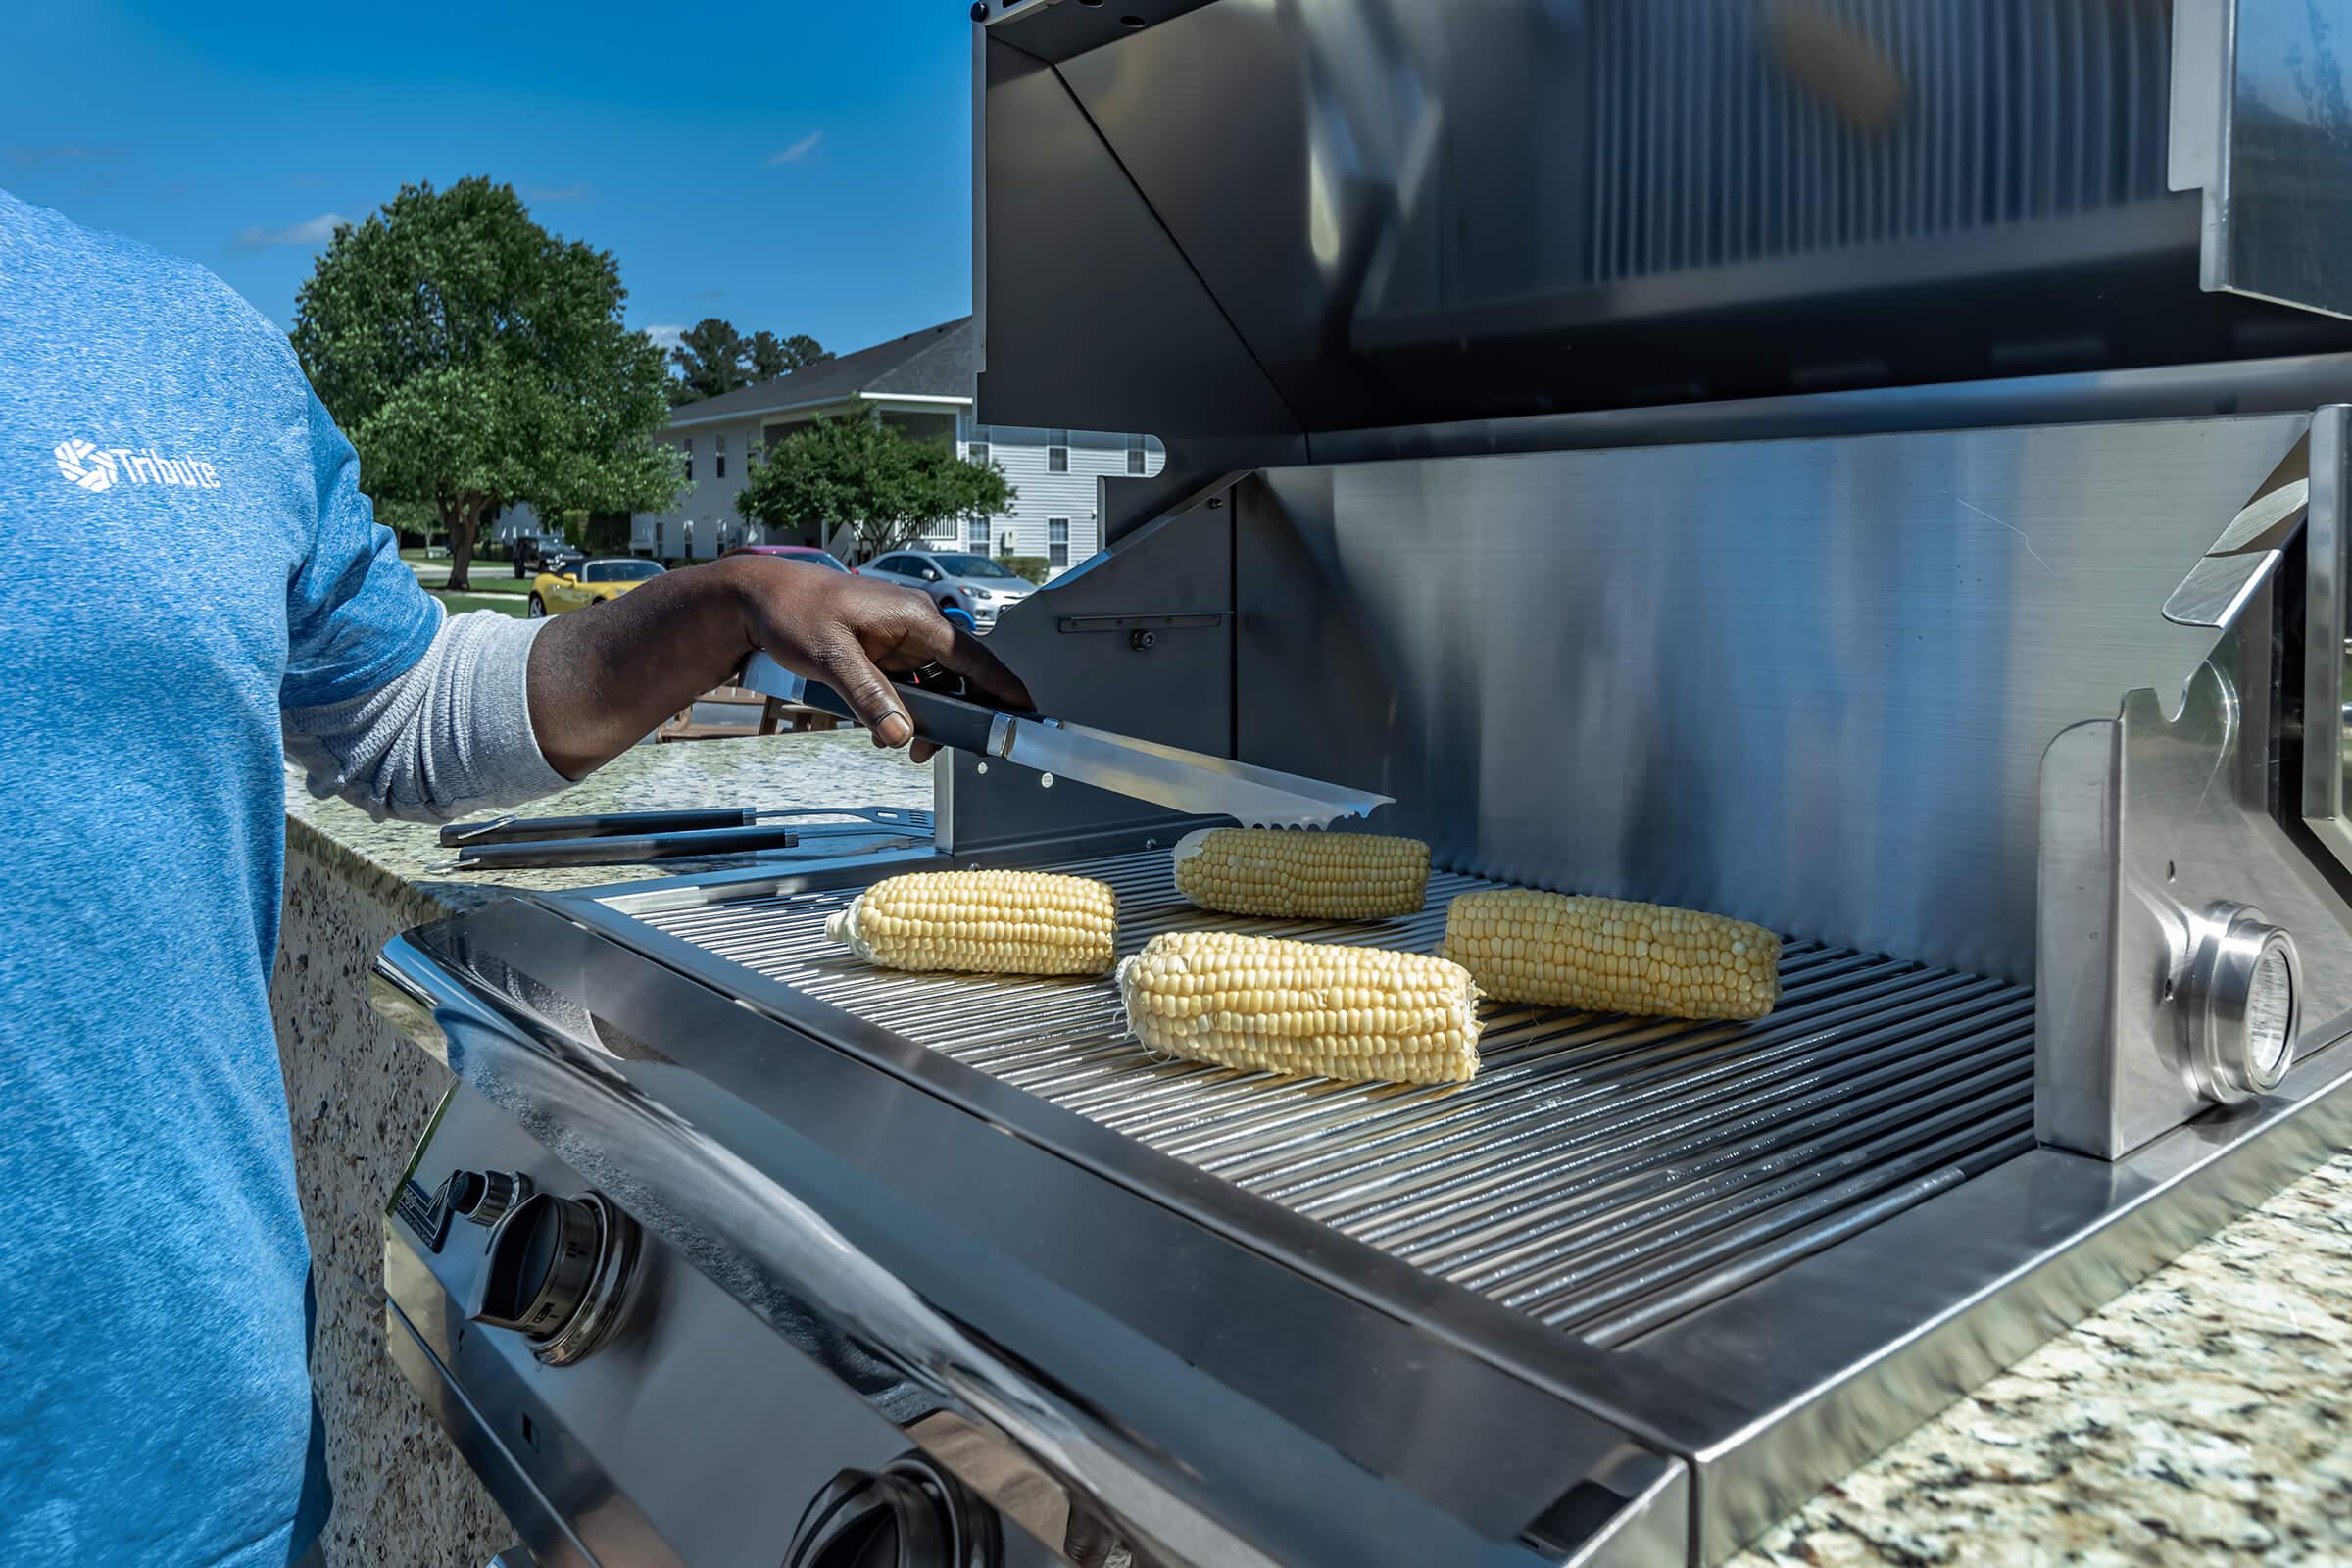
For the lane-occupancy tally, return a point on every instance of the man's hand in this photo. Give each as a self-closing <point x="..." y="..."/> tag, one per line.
<point x="846" y="631"/>
<point x="603" y="677"/>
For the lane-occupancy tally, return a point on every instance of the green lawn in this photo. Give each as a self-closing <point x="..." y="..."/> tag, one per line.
<point x="458" y="603"/>
<point x="496" y="574"/>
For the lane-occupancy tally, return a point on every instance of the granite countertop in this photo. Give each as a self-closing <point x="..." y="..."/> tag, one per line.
<point x="2204" y="1416"/>
<point x="774" y="772"/>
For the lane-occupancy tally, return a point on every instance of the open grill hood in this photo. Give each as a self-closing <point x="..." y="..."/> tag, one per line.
<point x="1247" y="225"/>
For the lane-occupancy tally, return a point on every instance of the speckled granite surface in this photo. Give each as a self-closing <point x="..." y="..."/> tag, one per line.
<point x="2202" y="1417"/>
<point x="361" y="1097"/>
<point x="2198" y="1418"/>
<point x="776" y="772"/>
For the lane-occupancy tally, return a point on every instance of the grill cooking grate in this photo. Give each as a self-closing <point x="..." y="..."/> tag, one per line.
<point x="1605" y="1174"/>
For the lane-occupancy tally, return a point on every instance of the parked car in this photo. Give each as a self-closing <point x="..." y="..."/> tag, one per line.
<point x="807" y="553"/>
<point x="956" y="580"/>
<point x="534" y="554"/>
<point x="580" y="583"/>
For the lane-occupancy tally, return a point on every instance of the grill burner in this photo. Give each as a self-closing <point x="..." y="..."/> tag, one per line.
<point x="1605" y="1174"/>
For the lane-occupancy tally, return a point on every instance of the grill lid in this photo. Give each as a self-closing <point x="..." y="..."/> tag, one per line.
<point x="1244" y="224"/>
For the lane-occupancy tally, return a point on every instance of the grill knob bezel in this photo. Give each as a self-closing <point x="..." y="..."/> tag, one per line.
<point x="500" y="1190"/>
<point x="2232" y="942"/>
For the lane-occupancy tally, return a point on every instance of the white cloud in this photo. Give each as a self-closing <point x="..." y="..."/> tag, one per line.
<point x="665" y="335"/>
<point x="798" y="150"/>
<point x="309" y="231"/>
<point x="556" y="193"/>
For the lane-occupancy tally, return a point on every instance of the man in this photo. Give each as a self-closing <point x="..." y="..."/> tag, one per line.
<point x="191" y="576"/>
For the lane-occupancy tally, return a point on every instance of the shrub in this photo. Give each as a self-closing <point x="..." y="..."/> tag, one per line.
<point x="1036" y="569"/>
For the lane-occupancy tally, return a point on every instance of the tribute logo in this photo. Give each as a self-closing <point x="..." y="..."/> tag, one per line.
<point x="95" y="468"/>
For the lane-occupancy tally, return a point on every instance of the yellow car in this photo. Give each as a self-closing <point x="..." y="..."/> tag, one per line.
<point x="588" y="582"/>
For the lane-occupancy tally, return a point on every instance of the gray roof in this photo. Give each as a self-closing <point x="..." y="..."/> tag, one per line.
<point x="935" y="363"/>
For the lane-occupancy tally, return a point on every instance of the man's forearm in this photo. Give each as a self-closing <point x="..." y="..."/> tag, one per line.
<point x="601" y="679"/>
<point x="604" y="677"/>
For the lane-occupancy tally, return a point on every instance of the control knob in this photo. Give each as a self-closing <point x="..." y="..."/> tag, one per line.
<point x="909" y="1515"/>
<point x="558" y="1271"/>
<point x="2241" y="1004"/>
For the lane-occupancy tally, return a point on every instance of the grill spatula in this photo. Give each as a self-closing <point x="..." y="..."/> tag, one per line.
<point x="1193" y="783"/>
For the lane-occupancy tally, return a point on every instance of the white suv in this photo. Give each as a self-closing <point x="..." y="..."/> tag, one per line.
<point x="955" y="580"/>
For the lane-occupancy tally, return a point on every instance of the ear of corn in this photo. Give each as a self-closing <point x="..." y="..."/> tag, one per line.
<point x="982" y="922"/>
<point x="1302" y="1007"/>
<point x="1612" y="955"/>
<point x="1301" y="872"/>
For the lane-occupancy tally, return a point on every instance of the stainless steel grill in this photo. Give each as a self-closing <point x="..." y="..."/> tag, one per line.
<point x="1605" y="1174"/>
<point x="1673" y="456"/>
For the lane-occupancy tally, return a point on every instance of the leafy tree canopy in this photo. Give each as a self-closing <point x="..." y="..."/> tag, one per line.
<point x="869" y="477"/>
<point x="476" y="359"/>
<point x="771" y="355"/>
<point x="710" y="359"/>
<point x="713" y="358"/>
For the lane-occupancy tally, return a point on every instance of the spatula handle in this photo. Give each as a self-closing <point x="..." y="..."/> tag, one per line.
<point x="953" y="721"/>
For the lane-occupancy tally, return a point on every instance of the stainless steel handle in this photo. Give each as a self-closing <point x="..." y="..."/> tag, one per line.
<point x="510" y="1059"/>
<point x="2326" y="619"/>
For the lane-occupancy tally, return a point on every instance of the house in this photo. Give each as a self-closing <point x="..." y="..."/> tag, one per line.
<point x="922" y="383"/>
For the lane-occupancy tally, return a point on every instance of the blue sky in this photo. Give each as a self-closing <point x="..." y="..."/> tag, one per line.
<point x="804" y="167"/>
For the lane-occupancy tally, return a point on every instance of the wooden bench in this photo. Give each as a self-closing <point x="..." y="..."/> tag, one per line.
<point x="762" y="715"/>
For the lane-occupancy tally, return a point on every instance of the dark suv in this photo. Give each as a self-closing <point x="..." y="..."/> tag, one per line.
<point x="531" y="554"/>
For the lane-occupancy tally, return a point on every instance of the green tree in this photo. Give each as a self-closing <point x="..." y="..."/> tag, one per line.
<point x="771" y="355"/>
<point x="476" y="359"/>
<point x="868" y="478"/>
<point x="710" y="358"/>
<point x="605" y="533"/>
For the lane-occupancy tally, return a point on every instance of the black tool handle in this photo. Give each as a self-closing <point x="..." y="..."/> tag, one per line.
<point x="939" y="717"/>
<point x="625" y="851"/>
<point x="527" y="829"/>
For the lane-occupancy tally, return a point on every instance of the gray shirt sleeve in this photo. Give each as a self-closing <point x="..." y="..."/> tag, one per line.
<point x="451" y="734"/>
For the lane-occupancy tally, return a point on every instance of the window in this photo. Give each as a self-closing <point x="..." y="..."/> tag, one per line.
<point x="975" y="534"/>
<point x="719" y="454"/>
<point x="1057" y="542"/>
<point x="619" y="571"/>
<point x="972" y="567"/>
<point x="688" y="449"/>
<point x="1057" y="451"/>
<point x="658" y="529"/>
<point x="977" y="447"/>
<point x="896" y="565"/>
<point x="1135" y="454"/>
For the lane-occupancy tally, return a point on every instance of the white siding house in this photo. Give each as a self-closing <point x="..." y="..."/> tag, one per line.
<point x="923" y="384"/>
<point x="1052" y="475"/>
<point x="705" y="521"/>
